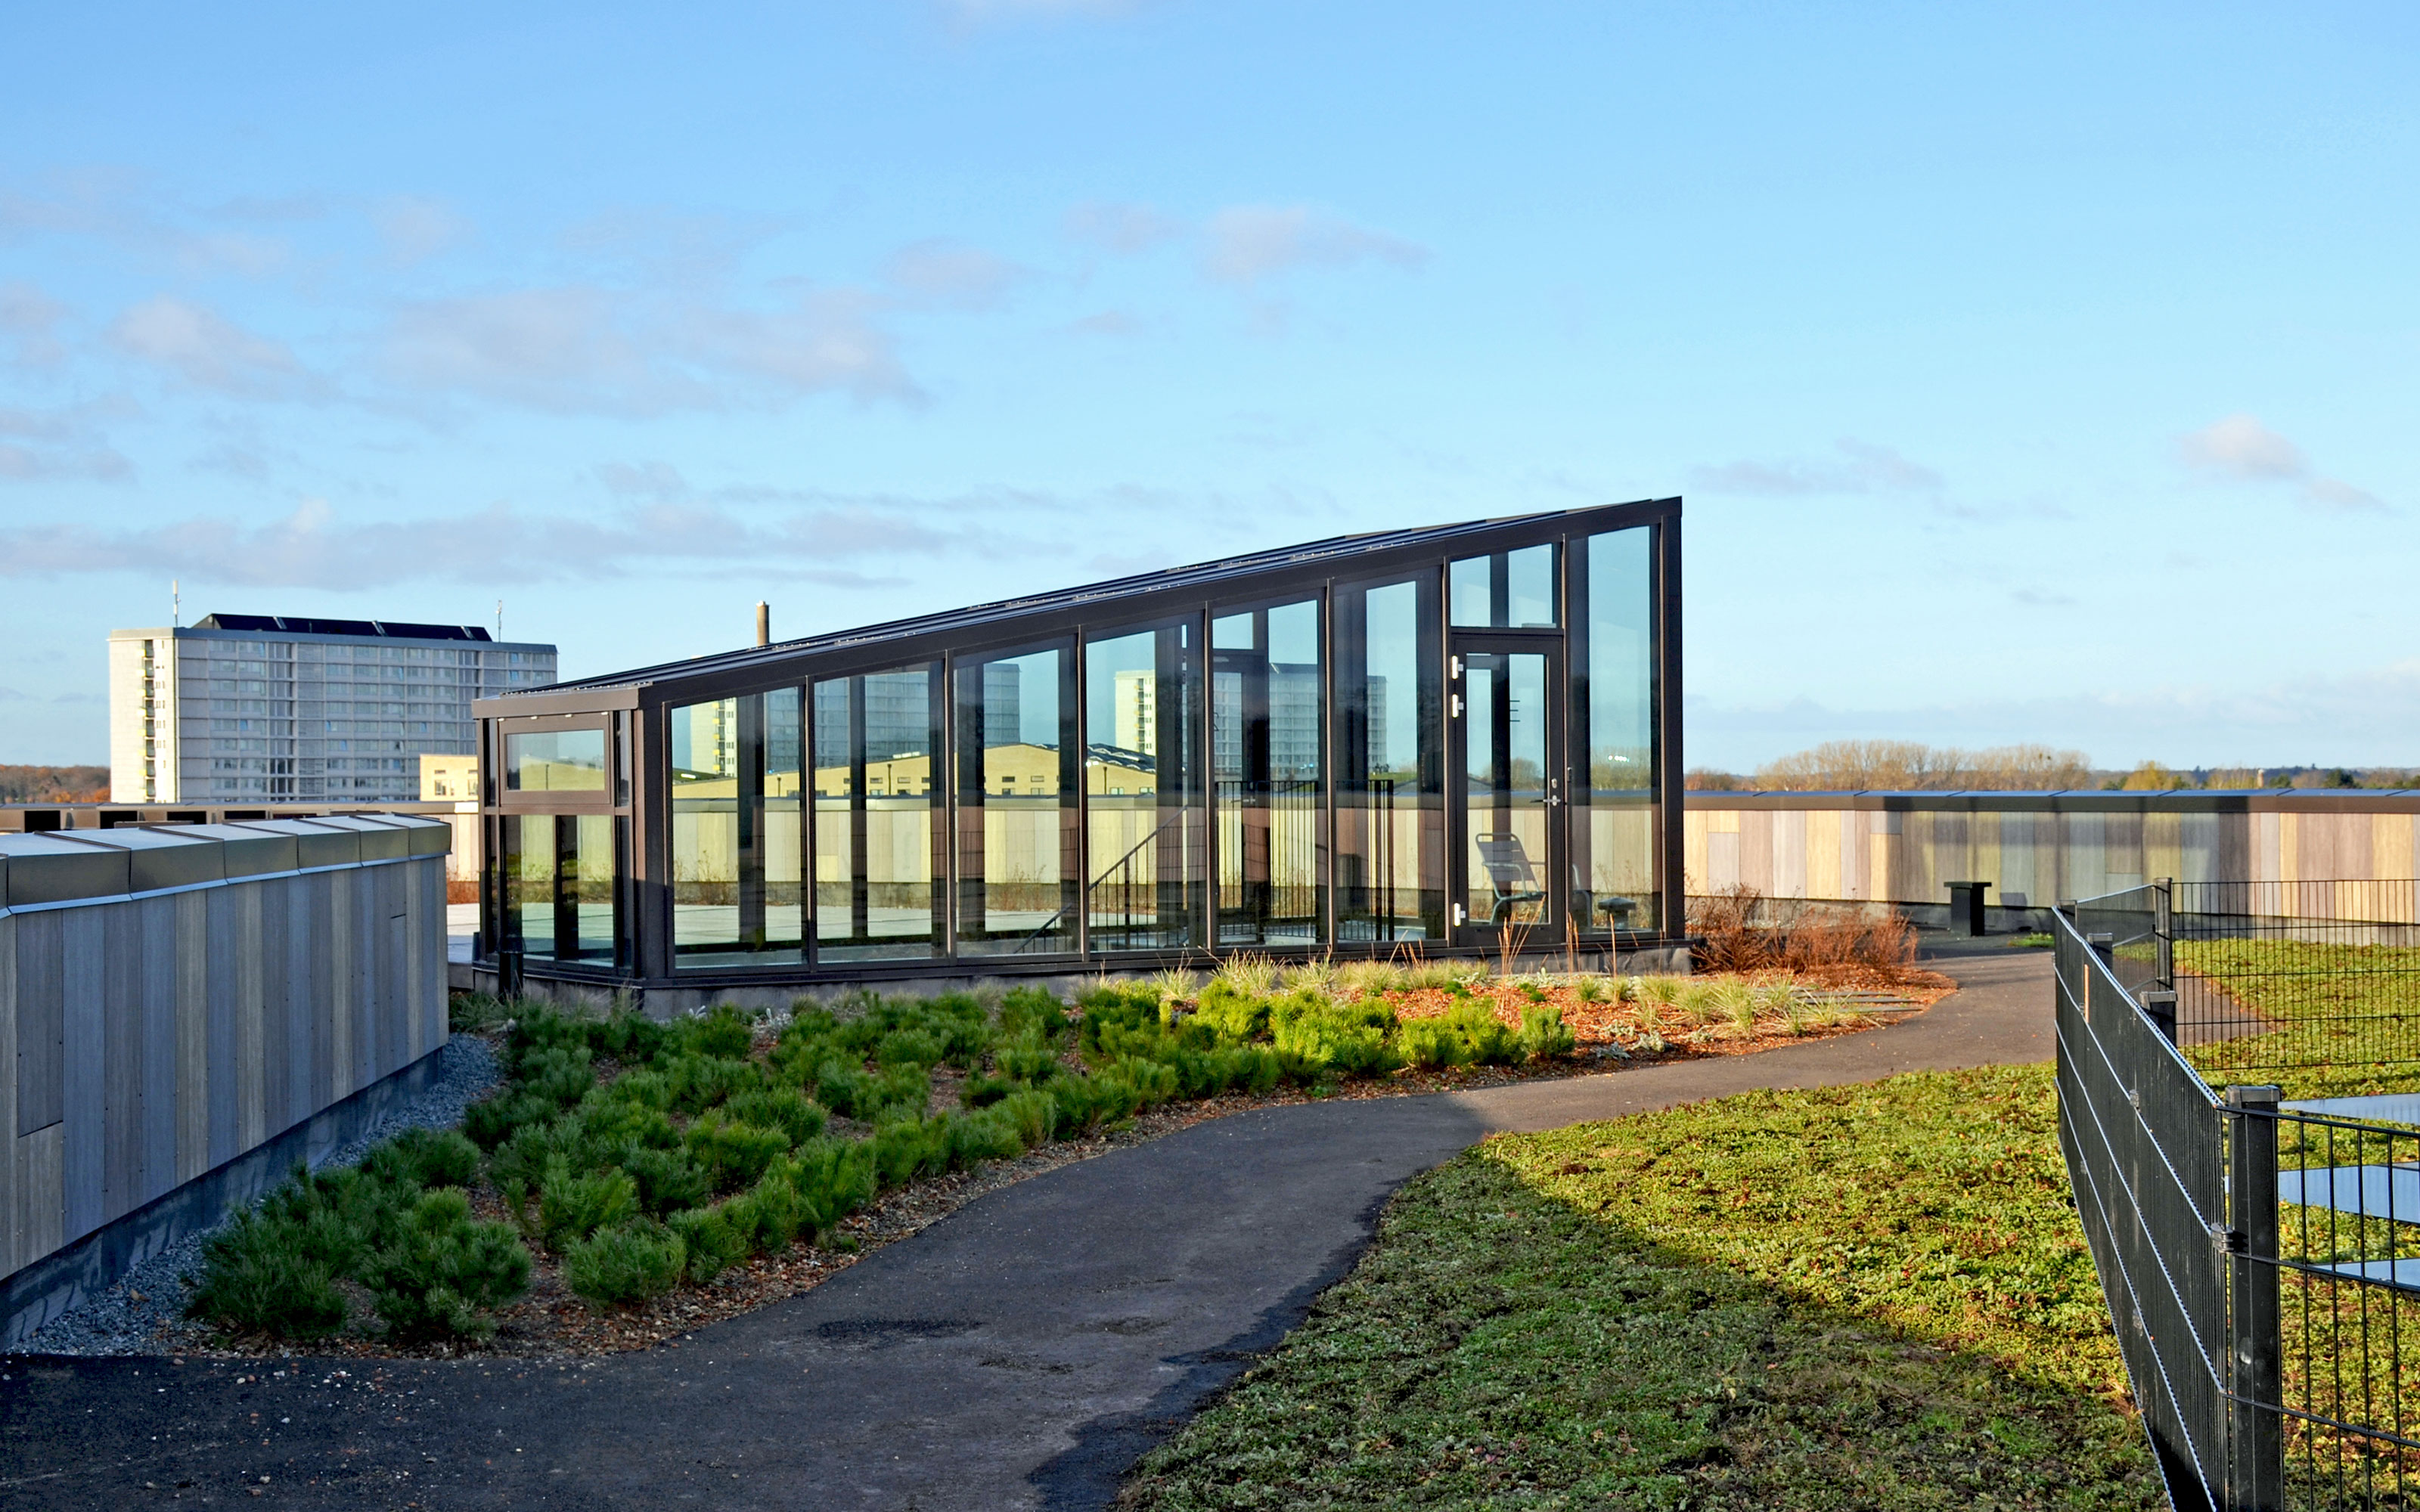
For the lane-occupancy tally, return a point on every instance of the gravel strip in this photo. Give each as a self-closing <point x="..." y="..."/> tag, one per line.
<point x="142" y="1313"/>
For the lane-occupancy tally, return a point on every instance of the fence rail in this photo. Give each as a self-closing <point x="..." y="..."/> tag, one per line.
<point x="2260" y="1259"/>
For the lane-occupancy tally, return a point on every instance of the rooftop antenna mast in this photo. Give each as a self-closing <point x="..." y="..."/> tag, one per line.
<point x="500" y="619"/>
<point x="175" y="605"/>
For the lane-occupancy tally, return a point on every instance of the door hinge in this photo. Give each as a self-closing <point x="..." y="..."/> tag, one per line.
<point x="1457" y="705"/>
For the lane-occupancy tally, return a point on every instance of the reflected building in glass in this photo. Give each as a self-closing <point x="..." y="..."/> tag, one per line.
<point x="1452" y="740"/>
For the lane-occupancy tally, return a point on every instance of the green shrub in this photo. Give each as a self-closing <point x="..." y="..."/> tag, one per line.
<point x="1088" y="1101"/>
<point x="1490" y="1040"/>
<point x="641" y="1088"/>
<point x="538" y="1029"/>
<point x="989" y="1135"/>
<point x="472" y="1013"/>
<point x="562" y="1074"/>
<point x="630" y="1264"/>
<point x="525" y="1156"/>
<point x="1230" y="1012"/>
<point x="258" y="1276"/>
<point x="667" y="1180"/>
<point x="734" y="1153"/>
<point x="701" y="1082"/>
<point x="982" y="1091"/>
<point x="723" y="1033"/>
<point x="1543" y="1034"/>
<point x="1030" y="1058"/>
<point x="774" y="1208"/>
<point x="630" y="1037"/>
<point x="785" y="1108"/>
<point x="1032" y="1011"/>
<point x="711" y="1241"/>
<point x="909" y="1047"/>
<point x="445" y="1273"/>
<point x="905" y="1148"/>
<point x="1431" y="1044"/>
<point x="833" y="1178"/>
<point x="423" y="1157"/>
<point x="1033" y="1113"/>
<point x="570" y="1208"/>
<point x="1313" y="1036"/>
<point x="490" y="1122"/>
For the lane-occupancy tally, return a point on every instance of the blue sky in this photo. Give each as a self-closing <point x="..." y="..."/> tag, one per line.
<point x="2031" y="372"/>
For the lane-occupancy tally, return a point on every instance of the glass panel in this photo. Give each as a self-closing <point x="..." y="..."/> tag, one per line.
<point x="529" y="884"/>
<point x="1473" y="591"/>
<point x="1265" y="745"/>
<point x="555" y="760"/>
<point x="584" y="889"/>
<point x="1530" y="587"/>
<point x="875" y="800"/>
<point x="1389" y="764"/>
<point x="737" y="878"/>
<point x="1508" y="590"/>
<point x="705" y="831"/>
<point x="1504" y="793"/>
<point x="1613" y="807"/>
<point x="1142" y="790"/>
<point x="1016" y="804"/>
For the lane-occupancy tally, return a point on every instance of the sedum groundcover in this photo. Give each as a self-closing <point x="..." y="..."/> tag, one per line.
<point x="646" y="1156"/>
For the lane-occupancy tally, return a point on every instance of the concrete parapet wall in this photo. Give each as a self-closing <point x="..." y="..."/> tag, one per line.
<point x="175" y="998"/>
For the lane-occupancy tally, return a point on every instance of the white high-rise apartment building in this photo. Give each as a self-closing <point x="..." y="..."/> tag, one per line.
<point x="258" y="708"/>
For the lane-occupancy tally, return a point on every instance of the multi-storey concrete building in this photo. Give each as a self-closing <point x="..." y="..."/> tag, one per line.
<point x="255" y="707"/>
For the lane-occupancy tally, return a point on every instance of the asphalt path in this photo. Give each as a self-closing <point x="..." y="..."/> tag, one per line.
<point x="1020" y="1353"/>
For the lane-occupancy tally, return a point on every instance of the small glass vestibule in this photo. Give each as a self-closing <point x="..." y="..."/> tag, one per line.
<point x="1427" y="742"/>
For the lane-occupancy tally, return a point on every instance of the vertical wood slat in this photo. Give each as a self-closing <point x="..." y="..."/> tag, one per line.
<point x="83" y="948"/>
<point x="39" y="1068"/>
<point x="158" y="1163"/>
<point x="343" y="995"/>
<point x="122" y="973"/>
<point x="193" y="1061"/>
<point x="13" y="1253"/>
<point x="253" y="934"/>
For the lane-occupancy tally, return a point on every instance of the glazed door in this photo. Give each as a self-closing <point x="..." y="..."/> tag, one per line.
<point x="1505" y="701"/>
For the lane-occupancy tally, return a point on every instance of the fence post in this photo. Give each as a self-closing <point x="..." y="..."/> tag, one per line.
<point x="2256" y="1436"/>
<point x="2163" y="929"/>
<point x="2161" y="1008"/>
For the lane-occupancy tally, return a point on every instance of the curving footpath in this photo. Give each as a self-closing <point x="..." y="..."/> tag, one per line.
<point x="1021" y="1352"/>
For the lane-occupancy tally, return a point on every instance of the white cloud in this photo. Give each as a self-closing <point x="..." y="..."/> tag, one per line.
<point x="1250" y="242"/>
<point x="982" y="12"/>
<point x="29" y="321"/>
<point x="210" y="351"/>
<point x="315" y="548"/>
<point x="600" y="351"/>
<point x="416" y="229"/>
<point x="951" y="275"/>
<point x="1860" y="468"/>
<point x="2240" y="449"/>
<point x="59" y="443"/>
<point x="1126" y="229"/>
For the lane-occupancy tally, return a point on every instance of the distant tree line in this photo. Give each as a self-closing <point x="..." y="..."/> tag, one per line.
<point x="54" y="784"/>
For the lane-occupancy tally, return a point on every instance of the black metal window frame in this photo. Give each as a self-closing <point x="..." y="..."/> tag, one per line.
<point x="636" y="708"/>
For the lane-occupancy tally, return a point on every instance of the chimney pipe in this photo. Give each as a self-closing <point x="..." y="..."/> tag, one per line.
<point x="764" y="623"/>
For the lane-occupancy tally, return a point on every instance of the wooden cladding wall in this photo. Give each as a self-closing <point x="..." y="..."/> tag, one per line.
<point x="1855" y="848"/>
<point x="146" y="1040"/>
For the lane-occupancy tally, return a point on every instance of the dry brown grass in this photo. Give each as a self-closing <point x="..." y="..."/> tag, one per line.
<point x="1745" y="932"/>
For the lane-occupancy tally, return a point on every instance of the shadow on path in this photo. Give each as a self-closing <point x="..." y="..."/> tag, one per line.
<point x="1021" y="1352"/>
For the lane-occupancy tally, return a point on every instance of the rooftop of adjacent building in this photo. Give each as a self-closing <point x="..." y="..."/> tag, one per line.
<point x="294" y="627"/>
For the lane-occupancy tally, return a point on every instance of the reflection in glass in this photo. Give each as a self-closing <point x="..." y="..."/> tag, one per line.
<point x="1505" y="746"/>
<point x="585" y="913"/>
<point x="1389" y="764"/>
<point x="737" y="878"/>
<point x="876" y="808"/>
<point x="555" y="760"/>
<point x="1265" y="724"/>
<point x="1016" y="805"/>
<point x="1613" y="810"/>
<point x="1142" y="789"/>
<point x="1505" y="589"/>
<point x="529" y="884"/>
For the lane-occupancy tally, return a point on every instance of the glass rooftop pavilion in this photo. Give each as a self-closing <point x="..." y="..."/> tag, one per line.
<point x="1422" y="742"/>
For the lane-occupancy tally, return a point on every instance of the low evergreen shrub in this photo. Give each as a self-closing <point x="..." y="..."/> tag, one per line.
<point x="423" y="1157"/>
<point x="785" y="1108"/>
<point x="1543" y="1034"/>
<point x="570" y="1208"/>
<point x="445" y="1273"/>
<point x="711" y="1241"/>
<point x="259" y="1277"/>
<point x="668" y="1181"/>
<point x="734" y="1152"/>
<point x="616" y="1267"/>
